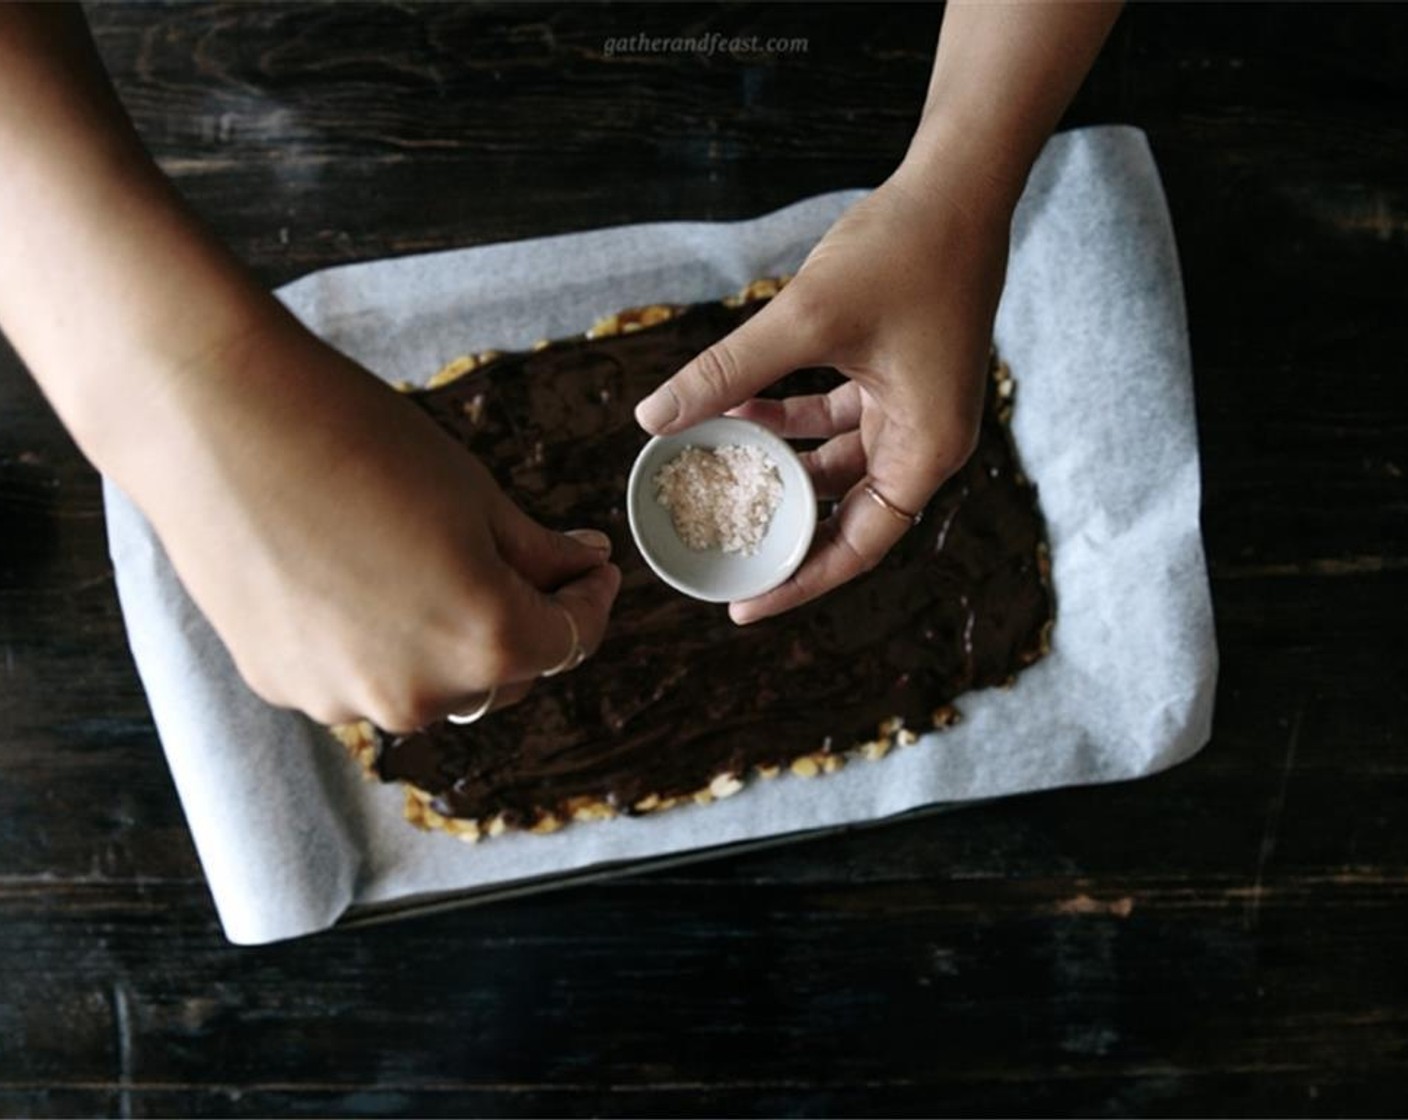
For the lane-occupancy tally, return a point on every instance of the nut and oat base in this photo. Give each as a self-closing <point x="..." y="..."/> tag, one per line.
<point x="360" y="737"/>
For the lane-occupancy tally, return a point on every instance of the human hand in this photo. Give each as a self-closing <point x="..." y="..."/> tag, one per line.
<point x="899" y="296"/>
<point x="354" y="559"/>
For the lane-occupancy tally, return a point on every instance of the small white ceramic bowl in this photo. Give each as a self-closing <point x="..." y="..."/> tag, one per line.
<point x="712" y="574"/>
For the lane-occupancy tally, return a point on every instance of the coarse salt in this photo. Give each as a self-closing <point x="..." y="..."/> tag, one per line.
<point x="720" y="497"/>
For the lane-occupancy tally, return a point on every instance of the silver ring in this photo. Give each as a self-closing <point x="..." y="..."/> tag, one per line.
<point x="889" y="507"/>
<point x="478" y="712"/>
<point x="575" y="653"/>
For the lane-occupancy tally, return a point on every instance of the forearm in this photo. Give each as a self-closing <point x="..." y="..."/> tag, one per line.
<point x="1003" y="75"/>
<point x="109" y="289"/>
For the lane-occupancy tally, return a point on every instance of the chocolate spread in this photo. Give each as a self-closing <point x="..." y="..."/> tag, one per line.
<point x="678" y="694"/>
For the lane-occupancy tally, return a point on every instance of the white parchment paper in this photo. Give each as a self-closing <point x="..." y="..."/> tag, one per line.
<point x="293" y="839"/>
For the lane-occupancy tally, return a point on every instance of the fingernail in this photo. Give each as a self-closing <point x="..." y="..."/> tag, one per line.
<point x="592" y="538"/>
<point x="658" y="410"/>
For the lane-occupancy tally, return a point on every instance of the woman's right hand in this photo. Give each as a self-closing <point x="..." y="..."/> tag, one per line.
<point x="355" y="560"/>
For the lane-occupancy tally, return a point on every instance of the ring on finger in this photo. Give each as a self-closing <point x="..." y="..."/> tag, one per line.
<point x="911" y="519"/>
<point x="478" y="712"/>
<point x="575" y="653"/>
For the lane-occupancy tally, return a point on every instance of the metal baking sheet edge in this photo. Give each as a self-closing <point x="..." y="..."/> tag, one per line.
<point x="361" y="916"/>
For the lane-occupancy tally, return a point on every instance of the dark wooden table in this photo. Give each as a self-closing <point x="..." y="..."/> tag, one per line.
<point x="1228" y="937"/>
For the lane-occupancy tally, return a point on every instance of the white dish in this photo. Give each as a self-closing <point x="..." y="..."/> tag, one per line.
<point x="712" y="574"/>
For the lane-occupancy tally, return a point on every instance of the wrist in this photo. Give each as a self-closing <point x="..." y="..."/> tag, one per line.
<point x="956" y="184"/>
<point x="984" y="167"/>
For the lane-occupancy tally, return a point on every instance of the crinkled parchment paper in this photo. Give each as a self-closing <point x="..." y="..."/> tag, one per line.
<point x="293" y="839"/>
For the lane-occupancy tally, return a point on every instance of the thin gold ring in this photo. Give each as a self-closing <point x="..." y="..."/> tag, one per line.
<point x="478" y="712"/>
<point x="575" y="653"/>
<point x="912" y="519"/>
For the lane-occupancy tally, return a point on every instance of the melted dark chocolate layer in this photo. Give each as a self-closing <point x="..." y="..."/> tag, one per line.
<point x="677" y="694"/>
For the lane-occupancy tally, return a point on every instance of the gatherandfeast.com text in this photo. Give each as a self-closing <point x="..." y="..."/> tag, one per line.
<point x="708" y="44"/>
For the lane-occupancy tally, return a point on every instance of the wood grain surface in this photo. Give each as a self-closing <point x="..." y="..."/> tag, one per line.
<point x="1228" y="937"/>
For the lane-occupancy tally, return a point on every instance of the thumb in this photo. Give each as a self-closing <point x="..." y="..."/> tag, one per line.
<point x="544" y="558"/>
<point x="767" y="347"/>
